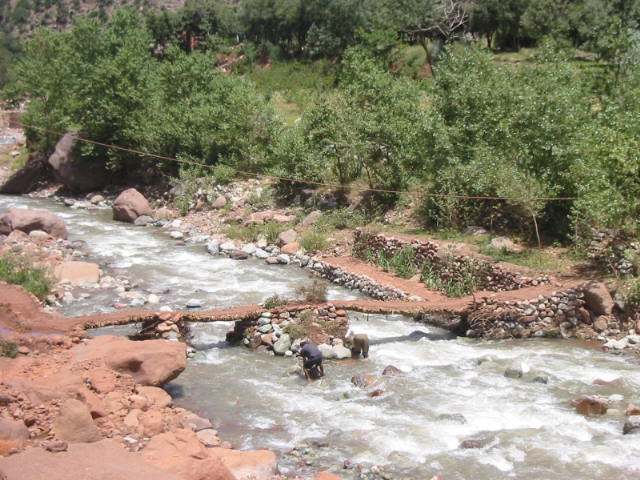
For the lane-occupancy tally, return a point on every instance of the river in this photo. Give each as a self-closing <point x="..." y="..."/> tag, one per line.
<point x="451" y="389"/>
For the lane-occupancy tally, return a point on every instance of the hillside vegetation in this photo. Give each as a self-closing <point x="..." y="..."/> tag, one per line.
<point x="430" y="97"/>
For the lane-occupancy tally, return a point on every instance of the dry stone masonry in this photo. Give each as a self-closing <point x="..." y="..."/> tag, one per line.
<point x="448" y="266"/>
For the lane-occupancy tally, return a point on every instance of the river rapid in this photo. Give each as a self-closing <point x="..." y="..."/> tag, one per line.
<point x="451" y="389"/>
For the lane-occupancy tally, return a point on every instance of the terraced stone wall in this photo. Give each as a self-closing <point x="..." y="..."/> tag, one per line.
<point x="449" y="267"/>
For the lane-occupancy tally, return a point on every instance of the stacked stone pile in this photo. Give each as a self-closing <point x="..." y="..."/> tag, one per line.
<point x="559" y="314"/>
<point x="568" y="314"/>
<point x="611" y="251"/>
<point x="356" y="281"/>
<point x="449" y="267"/>
<point x="281" y="329"/>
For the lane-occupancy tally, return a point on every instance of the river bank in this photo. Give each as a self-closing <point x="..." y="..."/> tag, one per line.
<point x="234" y="266"/>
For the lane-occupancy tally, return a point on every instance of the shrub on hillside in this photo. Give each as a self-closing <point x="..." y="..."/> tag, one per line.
<point x="17" y="270"/>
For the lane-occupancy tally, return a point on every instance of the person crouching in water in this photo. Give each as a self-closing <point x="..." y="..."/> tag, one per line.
<point x="311" y="358"/>
<point x="359" y="343"/>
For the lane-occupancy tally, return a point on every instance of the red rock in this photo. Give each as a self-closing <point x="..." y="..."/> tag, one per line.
<point x="149" y="362"/>
<point x="257" y="465"/>
<point x="632" y="410"/>
<point x="598" y="299"/>
<point x="341" y="313"/>
<point x="290" y="248"/>
<point x="376" y="393"/>
<point x="77" y="273"/>
<point x="74" y="423"/>
<point x="104" y="460"/>
<point x="286" y="237"/>
<point x="590" y="406"/>
<point x="180" y="452"/>
<point x="391" y="371"/>
<point x="327" y="476"/>
<point x="129" y="205"/>
<point x="157" y="397"/>
<point x="599" y="381"/>
<point x="238" y="255"/>
<point x="219" y="202"/>
<point x="13" y="434"/>
<point x="27" y="220"/>
<point x="102" y="380"/>
<point x="151" y="423"/>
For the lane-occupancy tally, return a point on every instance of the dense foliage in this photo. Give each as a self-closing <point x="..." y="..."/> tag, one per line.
<point x="546" y="126"/>
<point x="104" y="82"/>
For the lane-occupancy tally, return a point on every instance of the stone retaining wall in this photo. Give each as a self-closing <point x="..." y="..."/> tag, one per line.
<point x="560" y="314"/>
<point x="356" y="281"/>
<point x="448" y="267"/>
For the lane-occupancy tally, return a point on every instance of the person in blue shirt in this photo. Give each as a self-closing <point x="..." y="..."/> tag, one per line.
<point x="311" y="358"/>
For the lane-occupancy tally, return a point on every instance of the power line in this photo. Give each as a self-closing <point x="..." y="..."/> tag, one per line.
<point x="289" y="179"/>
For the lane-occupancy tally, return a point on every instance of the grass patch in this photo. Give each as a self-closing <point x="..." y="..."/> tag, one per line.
<point x="313" y="241"/>
<point x="402" y="262"/>
<point x="339" y="219"/>
<point x="19" y="271"/>
<point x="274" y="301"/>
<point x="539" y="260"/>
<point x="295" y="81"/>
<point x="253" y="232"/>
<point x="8" y="349"/>
<point x="464" y="283"/>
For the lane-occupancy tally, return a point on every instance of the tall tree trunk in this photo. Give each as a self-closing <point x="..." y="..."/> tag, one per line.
<point x="424" y="43"/>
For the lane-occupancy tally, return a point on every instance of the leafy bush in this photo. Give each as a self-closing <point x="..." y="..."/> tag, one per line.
<point x="632" y="297"/>
<point x="18" y="271"/>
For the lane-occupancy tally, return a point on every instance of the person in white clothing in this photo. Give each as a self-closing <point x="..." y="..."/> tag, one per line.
<point x="359" y="343"/>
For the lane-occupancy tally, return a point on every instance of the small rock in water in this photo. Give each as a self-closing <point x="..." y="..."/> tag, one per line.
<point x="194" y="303"/>
<point x="515" y="370"/>
<point x="541" y="379"/>
<point x="260" y="253"/>
<point x="176" y="235"/>
<point x="153" y="299"/>
<point x="213" y="247"/>
<point x="284" y="259"/>
<point x="143" y="220"/>
<point x="632" y="425"/>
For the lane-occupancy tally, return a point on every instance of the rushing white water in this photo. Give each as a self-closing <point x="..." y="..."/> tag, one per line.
<point x="178" y="271"/>
<point x="451" y="390"/>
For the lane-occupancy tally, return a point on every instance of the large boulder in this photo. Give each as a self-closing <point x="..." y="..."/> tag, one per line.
<point x="27" y="220"/>
<point x="75" y="424"/>
<point x="180" y="452"/>
<point x="257" y="465"/>
<point x="149" y="362"/>
<point x="598" y="298"/>
<point x="104" y="460"/>
<point x="27" y="178"/>
<point x="77" y="273"/>
<point x="13" y="434"/>
<point x="78" y="176"/>
<point x="129" y="205"/>
<point x="288" y="236"/>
